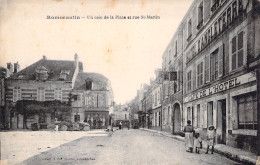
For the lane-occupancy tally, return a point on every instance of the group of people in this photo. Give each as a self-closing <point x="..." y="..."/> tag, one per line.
<point x="193" y="140"/>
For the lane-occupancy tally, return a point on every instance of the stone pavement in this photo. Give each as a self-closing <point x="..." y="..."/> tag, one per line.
<point x="230" y="152"/>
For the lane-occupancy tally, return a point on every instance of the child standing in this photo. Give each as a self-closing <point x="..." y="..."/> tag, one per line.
<point x="197" y="142"/>
<point x="210" y="138"/>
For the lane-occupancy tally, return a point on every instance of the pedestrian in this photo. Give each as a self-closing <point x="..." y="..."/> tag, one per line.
<point x="210" y="139"/>
<point x="128" y="125"/>
<point x="120" y="125"/>
<point x="197" y="142"/>
<point x="189" y="131"/>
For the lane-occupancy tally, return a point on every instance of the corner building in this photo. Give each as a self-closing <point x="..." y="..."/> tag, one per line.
<point x="220" y="41"/>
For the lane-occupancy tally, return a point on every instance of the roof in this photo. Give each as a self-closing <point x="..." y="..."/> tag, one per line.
<point x="100" y="81"/>
<point x="54" y="68"/>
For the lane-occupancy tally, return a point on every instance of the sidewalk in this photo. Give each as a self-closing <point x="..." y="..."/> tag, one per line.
<point x="230" y="152"/>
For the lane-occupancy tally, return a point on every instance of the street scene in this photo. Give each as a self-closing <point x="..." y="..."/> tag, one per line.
<point x="122" y="147"/>
<point x="113" y="82"/>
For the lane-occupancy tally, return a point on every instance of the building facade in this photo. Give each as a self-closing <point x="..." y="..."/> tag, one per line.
<point x="220" y="40"/>
<point x="93" y="100"/>
<point x="50" y="89"/>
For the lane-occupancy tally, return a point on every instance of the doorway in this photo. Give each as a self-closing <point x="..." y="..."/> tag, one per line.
<point x="224" y="126"/>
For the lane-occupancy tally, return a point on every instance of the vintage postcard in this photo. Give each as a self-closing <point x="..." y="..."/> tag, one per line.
<point x="129" y="82"/>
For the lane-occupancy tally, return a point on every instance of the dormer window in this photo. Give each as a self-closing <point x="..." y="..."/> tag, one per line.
<point x="42" y="73"/>
<point x="64" y="74"/>
<point x="88" y="84"/>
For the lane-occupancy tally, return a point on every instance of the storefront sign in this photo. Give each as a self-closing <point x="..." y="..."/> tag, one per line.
<point x="221" y="87"/>
<point x="233" y="11"/>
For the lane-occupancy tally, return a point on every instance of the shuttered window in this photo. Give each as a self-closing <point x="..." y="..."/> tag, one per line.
<point x="214" y="65"/>
<point x="16" y="94"/>
<point x="200" y="74"/>
<point x="40" y="94"/>
<point x="207" y="68"/>
<point x="221" y="57"/>
<point x="189" y="81"/>
<point x="237" y="52"/>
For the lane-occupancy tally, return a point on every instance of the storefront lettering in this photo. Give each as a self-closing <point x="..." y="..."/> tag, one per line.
<point x="235" y="9"/>
<point x="215" y="89"/>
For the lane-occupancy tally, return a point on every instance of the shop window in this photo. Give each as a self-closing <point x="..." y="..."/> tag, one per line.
<point x="237" y="52"/>
<point x="76" y="118"/>
<point x="247" y="111"/>
<point x="214" y="65"/>
<point x="200" y="74"/>
<point x="189" y="81"/>
<point x="16" y="94"/>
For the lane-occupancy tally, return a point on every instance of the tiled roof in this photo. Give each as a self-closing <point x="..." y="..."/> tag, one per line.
<point x="54" y="68"/>
<point x="100" y="82"/>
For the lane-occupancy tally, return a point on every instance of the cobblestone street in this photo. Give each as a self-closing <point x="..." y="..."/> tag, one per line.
<point x="125" y="147"/>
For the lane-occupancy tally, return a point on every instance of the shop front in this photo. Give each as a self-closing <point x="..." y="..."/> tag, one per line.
<point x="231" y="106"/>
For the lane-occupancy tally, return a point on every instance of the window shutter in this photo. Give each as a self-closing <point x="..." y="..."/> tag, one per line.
<point x="221" y="60"/>
<point x="206" y="11"/>
<point x="194" y="79"/>
<point x="207" y="68"/>
<point x="205" y="121"/>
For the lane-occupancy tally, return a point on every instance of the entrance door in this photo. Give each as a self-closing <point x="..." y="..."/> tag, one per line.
<point x="224" y="126"/>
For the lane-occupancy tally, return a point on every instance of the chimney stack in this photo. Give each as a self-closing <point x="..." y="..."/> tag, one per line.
<point x="44" y="57"/>
<point x="16" y="67"/>
<point x="76" y="60"/>
<point x="10" y="67"/>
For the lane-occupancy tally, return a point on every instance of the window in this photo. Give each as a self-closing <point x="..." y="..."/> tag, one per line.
<point x="214" y="65"/>
<point x="200" y="74"/>
<point x="247" y="111"/>
<point x="88" y="84"/>
<point x="16" y="94"/>
<point x="58" y="94"/>
<point x="200" y="15"/>
<point x="189" y="81"/>
<point x="189" y="29"/>
<point x="40" y="94"/>
<point x="237" y="51"/>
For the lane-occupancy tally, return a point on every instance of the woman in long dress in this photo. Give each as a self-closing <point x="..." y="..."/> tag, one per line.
<point x="188" y="129"/>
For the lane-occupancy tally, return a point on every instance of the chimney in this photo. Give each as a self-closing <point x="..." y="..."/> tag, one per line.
<point x="76" y="60"/>
<point x="16" y="67"/>
<point x="44" y="57"/>
<point x="10" y="67"/>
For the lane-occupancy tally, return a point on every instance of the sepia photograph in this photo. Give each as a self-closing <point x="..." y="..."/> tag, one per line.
<point x="130" y="82"/>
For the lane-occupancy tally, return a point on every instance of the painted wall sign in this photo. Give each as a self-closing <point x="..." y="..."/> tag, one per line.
<point x="221" y="87"/>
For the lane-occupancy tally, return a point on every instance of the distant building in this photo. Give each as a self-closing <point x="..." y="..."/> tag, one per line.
<point x="4" y="74"/>
<point x="50" y="89"/>
<point x="93" y="100"/>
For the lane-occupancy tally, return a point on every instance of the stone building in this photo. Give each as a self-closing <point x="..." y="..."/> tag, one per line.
<point x="156" y="107"/>
<point x="4" y="74"/>
<point x="220" y="40"/>
<point x="93" y="100"/>
<point x="43" y="81"/>
<point x="50" y="89"/>
<point x="172" y="92"/>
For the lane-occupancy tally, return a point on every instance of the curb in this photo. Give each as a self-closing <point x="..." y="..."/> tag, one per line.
<point x="238" y="158"/>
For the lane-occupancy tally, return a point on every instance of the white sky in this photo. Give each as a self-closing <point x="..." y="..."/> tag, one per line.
<point x="125" y="51"/>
